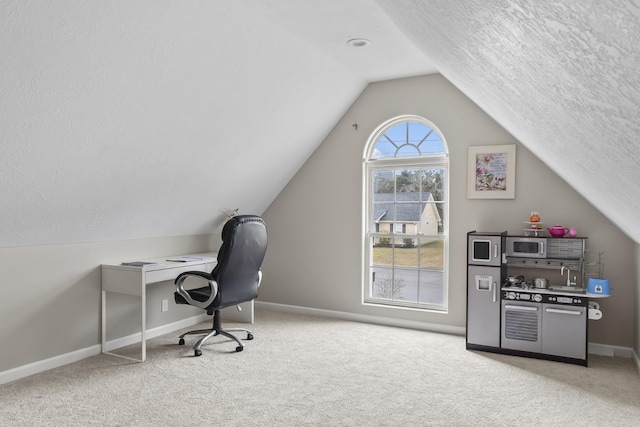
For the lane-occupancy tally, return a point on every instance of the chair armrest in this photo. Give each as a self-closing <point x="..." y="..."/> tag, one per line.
<point x="213" y="285"/>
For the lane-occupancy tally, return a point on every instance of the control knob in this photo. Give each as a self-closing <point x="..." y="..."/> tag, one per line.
<point x="537" y="297"/>
<point x="511" y="295"/>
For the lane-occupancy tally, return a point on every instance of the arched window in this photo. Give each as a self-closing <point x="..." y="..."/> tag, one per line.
<point x="406" y="167"/>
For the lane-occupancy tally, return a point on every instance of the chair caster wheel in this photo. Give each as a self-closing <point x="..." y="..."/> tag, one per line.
<point x="239" y="349"/>
<point x="249" y="336"/>
<point x="197" y="353"/>
<point x="181" y="342"/>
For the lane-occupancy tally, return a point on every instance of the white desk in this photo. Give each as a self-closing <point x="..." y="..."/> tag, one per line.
<point x="134" y="281"/>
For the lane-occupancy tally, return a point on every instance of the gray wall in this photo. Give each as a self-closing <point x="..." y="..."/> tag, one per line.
<point x="50" y="303"/>
<point x="315" y="224"/>
<point x="637" y="299"/>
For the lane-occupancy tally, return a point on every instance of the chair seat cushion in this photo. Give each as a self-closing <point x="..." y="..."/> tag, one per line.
<point x="199" y="294"/>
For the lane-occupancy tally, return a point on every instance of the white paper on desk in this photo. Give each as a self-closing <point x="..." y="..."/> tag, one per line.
<point x="139" y="264"/>
<point x="187" y="258"/>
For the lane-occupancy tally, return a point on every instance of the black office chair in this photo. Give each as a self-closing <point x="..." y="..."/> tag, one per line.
<point x="235" y="278"/>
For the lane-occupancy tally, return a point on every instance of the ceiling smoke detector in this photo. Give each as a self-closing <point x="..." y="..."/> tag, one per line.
<point x="358" y="42"/>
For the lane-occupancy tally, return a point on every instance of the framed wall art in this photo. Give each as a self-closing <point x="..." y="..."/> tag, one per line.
<point x="491" y="172"/>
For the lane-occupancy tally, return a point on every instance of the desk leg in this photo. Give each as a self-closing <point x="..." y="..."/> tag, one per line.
<point x="144" y="324"/>
<point x="103" y="323"/>
<point x="104" y="329"/>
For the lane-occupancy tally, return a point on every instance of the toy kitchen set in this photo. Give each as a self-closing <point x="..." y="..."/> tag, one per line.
<point x="526" y="294"/>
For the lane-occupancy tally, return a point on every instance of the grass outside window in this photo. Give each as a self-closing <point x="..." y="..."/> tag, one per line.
<point x="431" y="256"/>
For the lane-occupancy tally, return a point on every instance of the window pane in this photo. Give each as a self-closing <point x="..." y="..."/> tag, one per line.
<point x="408" y="151"/>
<point x="383" y="182"/>
<point x="410" y="139"/>
<point x="406" y="255"/>
<point x="432" y="271"/>
<point x="383" y="212"/>
<point x="406" y="284"/>
<point x="385" y="285"/>
<point x="431" y="219"/>
<point x="431" y="253"/>
<point x="433" y="182"/>
<point x="432" y="145"/>
<point x="397" y="134"/>
<point x="384" y="148"/>
<point x="418" y="132"/>
<point x="382" y="253"/>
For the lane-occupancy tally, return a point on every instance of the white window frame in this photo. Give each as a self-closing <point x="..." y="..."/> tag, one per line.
<point x="396" y="226"/>
<point x="439" y="161"/>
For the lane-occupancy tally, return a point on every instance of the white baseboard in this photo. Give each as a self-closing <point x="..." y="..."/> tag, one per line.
<point x="74" y="356"/>
<point x="156" y="332"/>
<point x="46" y="364"/>
<point x="610" y="350"/>
<point x="364" y="318"/>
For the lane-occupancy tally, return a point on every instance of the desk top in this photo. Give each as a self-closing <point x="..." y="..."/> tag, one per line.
<point x="151" y="264"/>
<point x="132" y="279"/>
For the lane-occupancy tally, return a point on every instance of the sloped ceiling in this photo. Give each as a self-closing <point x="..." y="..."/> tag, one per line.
<point x="149" y="117"/>
<point x="561" y="76"/>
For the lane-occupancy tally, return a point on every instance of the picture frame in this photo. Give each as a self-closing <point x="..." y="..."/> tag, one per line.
<point x="491" y="172"/>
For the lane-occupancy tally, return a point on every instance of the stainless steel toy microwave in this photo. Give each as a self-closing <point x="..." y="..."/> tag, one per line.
<point x="526" y="247"/>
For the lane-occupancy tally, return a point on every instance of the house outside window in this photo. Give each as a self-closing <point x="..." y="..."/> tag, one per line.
<point x="406" y="215"/>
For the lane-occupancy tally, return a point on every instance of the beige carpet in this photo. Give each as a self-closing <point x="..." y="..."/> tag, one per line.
<point x="303" y="370"/>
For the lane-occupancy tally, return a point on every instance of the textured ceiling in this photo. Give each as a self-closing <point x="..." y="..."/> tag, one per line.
<point x="326" y="25"/>
<point x="562" y="77"/>
<point x="147" y="118"/>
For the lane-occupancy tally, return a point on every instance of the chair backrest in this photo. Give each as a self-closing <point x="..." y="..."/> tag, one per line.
<point x="244" y="244"/>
